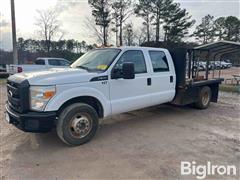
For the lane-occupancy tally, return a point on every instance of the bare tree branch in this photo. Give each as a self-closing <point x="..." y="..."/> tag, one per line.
<point x="92" y="30"/>
<point x="48" y="25"/>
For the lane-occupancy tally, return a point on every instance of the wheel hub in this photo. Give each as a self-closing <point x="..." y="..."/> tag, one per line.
<point x="80" y="126"/>
<point x="205" y="98"/>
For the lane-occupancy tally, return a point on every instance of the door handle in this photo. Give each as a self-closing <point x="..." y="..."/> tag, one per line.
<point x="149" y="81"/>
<point x="171" y="79"/>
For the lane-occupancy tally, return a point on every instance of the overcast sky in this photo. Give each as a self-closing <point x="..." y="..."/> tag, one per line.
<point x="74" y="12"/>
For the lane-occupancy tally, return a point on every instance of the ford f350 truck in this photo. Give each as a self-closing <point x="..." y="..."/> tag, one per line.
<point x="101" y="83"/>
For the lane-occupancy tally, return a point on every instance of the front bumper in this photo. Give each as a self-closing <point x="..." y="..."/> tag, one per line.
<point x="32" y="121"/>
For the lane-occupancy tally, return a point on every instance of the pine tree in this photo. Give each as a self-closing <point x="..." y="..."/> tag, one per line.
<point x="115" y="22"/>
<point x="122" y="12"/>
<point x="157" y="8"/>
<point x="232" y="25"/>
<point x="220" y="29"/>
<point x="128" y="34"/>
<point x="143" y="9"/>
<point x="177" y="22"/>
<point x="101" y="13"/>
<point x="205" y="31"/>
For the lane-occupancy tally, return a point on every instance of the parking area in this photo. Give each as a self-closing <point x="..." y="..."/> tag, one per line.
<point x="229" y="74"/>
<point x="145" y="144"/>
<point x="225" y="73"/>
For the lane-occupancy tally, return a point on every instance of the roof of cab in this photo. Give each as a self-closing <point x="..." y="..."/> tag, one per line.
<point x="135" y="48"/>
<point x="50" y="58"/>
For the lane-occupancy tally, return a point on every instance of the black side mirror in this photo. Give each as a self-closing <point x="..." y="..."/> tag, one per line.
<point x="116" y="73"/>
<point x="128" y="71"/>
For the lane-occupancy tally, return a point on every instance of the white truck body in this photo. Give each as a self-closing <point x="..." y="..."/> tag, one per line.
<point x="101" y="83"/>
<point x="40" y="64"/>
<point x="117" y="95"/>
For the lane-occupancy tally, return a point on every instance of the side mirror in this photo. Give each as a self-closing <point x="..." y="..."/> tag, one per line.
<point x="128" y="71"/>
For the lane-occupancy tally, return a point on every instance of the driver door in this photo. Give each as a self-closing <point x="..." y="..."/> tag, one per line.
<point x="130" y="94"/>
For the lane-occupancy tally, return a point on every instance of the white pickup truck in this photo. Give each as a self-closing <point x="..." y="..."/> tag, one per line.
<point x="40" y="64"/>
<point x="101" y="83"/>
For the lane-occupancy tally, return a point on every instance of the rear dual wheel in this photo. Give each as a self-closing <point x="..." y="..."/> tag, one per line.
<point x="204" y="98"/>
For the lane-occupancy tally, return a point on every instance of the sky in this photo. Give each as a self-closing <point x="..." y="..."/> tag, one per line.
<point x="73" y="14"/>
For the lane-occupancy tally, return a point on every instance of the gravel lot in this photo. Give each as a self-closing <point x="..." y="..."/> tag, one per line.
<point x="145" y="144"/>
<point x="224" y="73"/>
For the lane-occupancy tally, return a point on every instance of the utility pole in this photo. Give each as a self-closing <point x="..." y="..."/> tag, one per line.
<point x="14" y="41"/>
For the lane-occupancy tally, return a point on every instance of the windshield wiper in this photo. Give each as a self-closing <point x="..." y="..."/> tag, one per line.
<point x="88" y="69"/>
<point x="83" y="67"/>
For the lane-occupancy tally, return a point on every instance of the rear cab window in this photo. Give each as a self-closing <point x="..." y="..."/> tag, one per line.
<point x="58" y="62"/>
<point x="159" y="61"/>
<point x="40" y="62"/>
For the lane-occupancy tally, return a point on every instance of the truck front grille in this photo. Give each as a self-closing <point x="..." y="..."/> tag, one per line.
<point x="18" y="95"/>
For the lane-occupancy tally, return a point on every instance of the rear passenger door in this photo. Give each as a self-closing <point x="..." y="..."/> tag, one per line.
<point x="163" y="77"/>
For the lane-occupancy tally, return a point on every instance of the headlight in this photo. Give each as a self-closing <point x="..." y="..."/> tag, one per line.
<point x="40" y="95"/>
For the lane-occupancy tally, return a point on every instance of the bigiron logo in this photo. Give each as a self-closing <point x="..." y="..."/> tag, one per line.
<point x="202" y="171"/>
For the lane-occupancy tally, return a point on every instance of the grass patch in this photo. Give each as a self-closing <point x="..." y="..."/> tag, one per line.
<point x="229" y="88"/>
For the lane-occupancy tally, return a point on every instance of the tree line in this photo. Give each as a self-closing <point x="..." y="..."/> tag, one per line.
<point x="222" y="28"/>
<point x="70" y="45"/>
<point x="158" y="15"/>
<point x="30" y="49"/>
<point x="164" y="17"/>
<point x="163" y="20"/>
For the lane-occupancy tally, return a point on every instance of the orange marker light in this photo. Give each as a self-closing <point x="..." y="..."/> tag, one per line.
<point x="48" y="94"/>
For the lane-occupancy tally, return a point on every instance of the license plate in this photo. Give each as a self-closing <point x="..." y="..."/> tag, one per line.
<point x="7" y="118"/>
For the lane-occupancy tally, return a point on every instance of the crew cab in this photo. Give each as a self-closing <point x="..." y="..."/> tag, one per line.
<point x="101" y="83"/>
<point x="40" y="64"/>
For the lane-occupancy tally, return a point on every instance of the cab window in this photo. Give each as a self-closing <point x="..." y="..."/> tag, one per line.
<point x="40" y="62"/>
<point x="64" y="63"/>
<point x="159" y="61"/>
<point x="54" y="62"/>
<point x="134" y="56"/>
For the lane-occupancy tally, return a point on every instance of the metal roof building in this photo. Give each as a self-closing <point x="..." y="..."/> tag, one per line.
<point x="220" y="48"/>
<point x="214" y="52"/>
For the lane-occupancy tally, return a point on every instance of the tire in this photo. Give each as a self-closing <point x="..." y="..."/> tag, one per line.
<point x="77" y="124"/>
<point x="204" y="98"/>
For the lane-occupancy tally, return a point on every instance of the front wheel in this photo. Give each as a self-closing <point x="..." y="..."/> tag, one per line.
<point x="204" y="98"/>
<point x="77" y="124"/>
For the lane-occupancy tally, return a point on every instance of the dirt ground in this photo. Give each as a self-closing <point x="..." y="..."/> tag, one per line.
<point x="144" y="144"/>
<point x="226" y="73"/>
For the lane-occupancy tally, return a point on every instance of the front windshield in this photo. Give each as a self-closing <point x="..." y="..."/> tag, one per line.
<point x="96" y="60"/>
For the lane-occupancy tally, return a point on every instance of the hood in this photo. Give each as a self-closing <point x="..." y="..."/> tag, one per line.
<point x="56" y="76"/>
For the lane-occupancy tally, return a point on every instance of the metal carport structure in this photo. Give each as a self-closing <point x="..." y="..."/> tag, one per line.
<point x="212" y="51"/>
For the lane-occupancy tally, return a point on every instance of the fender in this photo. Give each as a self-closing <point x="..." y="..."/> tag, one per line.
<point x="60" y="98"/>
